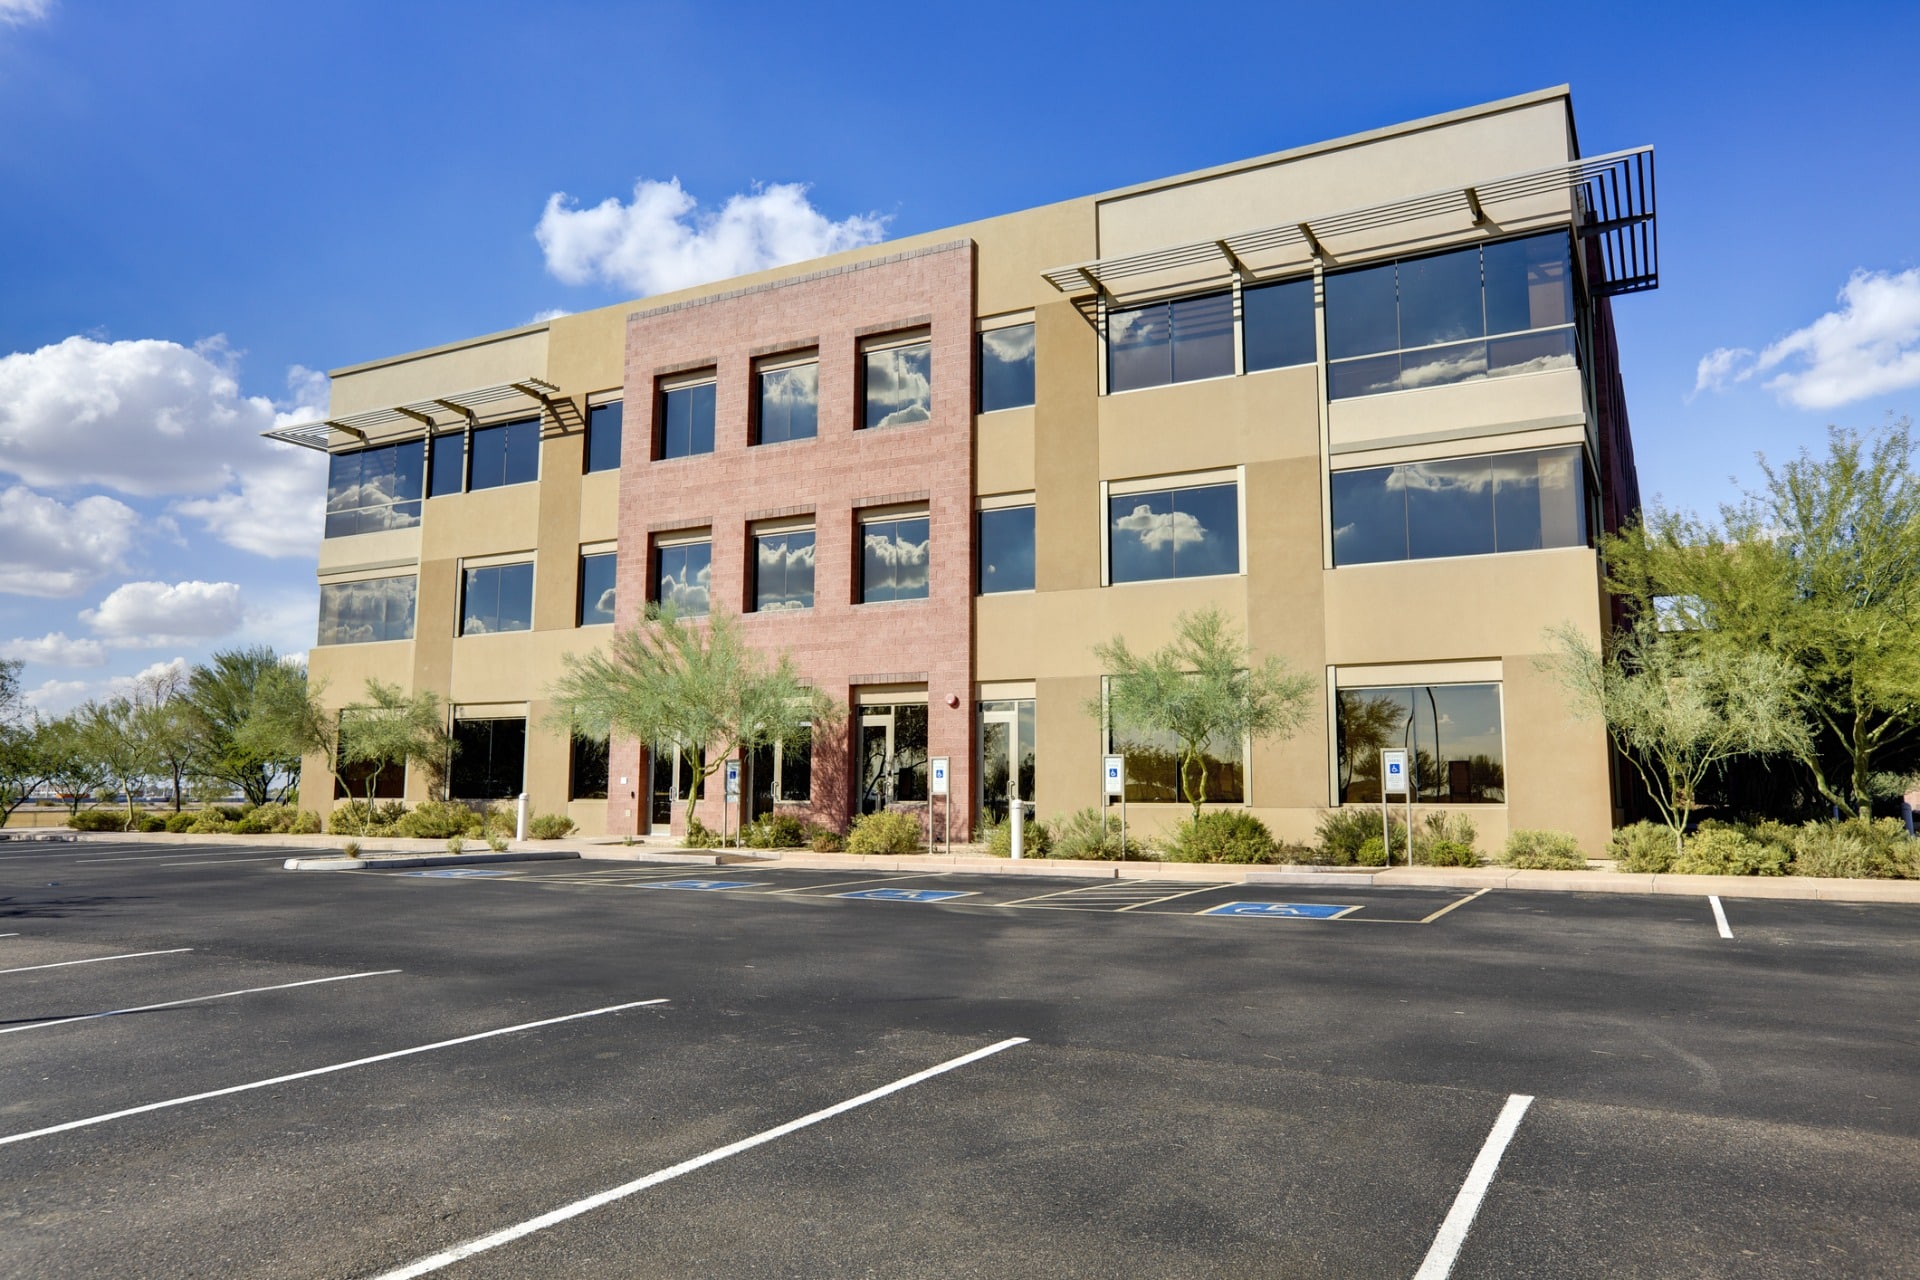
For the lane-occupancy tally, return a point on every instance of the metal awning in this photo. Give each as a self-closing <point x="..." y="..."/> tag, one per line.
<point x="464" y="407"/>
<point x="1613" y="204"/>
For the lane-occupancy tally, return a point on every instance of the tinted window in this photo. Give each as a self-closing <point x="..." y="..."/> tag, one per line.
<point x="449" y="464"/>
<point x="1529" y="284"/>
<point x="603" y="437"/>
<point x="899" y="385"/>
<point x="683" y="578"/>
<point x="783" y="571"/>
<point x="489" y="760"/>
<point x="1153" y="767"/>
<point x="1278" y="322"/>
<point x="1452" y="732"/>
<point x="505" y="454"/>
<point x="1006" y="550"/>
<point x="1362" y="312"/>
<point x="1440" y="299"/>
<point x="1174" y="533"/>
<point x="789" y="407"/>
<point x="497" y="598"/>
<point x="597" y="574"/>
<point x="686" y="421"/>
<point x="893" y="561"/>
<point x="1165" y="342"/>
<point x="1459" y="507"/>
<point x="369" y="490"/>
<point x="587" y="778"/>
<point x="362" y="612"/>
<point x="1006" y="368"/>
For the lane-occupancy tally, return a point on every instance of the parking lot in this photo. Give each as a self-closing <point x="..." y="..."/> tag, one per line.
<point x="210" y="1066"/>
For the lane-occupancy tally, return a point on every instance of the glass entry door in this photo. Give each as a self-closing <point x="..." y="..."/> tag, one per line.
<point x="892" y="754"/>
<point x="1006" y="758"/>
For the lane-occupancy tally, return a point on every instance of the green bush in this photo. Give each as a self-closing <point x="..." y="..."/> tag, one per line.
<point x="1342" y="832"/>
<point x="438" y="820"/>
<point x="827" y="840"/>
<point x="277" y="818"/>
<point x="777" y="831"/>
<point x="150" y="822"/>
<point x="1093" y="835"/>
<point x="550" y="826"/>
<point x="1446" y="840"/>
<point x="1531" y="850"/>
<point x="98" y="820"/>
<point x="209" y="822"/>
<point x="250" y="826"/>
<point x="456" y="845"/>
<point x="889" y="831"/>
<point x="1643" y="848"/>
<point x="700" y="835"/>
<point x="1226" y="835"/>
<point x="1036" y="840"/>
<point x="1448" y="853"/>
<point x="1725" y="850"/>
<point x="1856" y="848"/>
<point x="179" y="822"/>
<point x="305" y="823"/>
<point x="1372" y="852"/>
<point x="354" y="817"/>
<point x="232" y="813"/>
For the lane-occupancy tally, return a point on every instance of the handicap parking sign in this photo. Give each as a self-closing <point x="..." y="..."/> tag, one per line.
<point x="907" y="895"/>
<point x="1286" y="910"/>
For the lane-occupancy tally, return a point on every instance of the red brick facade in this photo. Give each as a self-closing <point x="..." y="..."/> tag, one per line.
<point x="838" y="644"/>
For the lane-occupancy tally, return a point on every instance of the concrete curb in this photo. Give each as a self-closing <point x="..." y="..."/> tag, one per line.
<point x="444" y="860"/>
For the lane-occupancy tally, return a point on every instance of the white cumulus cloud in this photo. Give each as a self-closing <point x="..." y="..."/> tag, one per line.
<point x="1721" y="366"/>
<point x="663" y="240"/>
<point x="149" y="614"/>
<point x="48" y="548"/>
<point x="153" y="418"/>
<point x="18" y="13"/>
<point x="1868" y="346"/>
<point x="55" y="650"/>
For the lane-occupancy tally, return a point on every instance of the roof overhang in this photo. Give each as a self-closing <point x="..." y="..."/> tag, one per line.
<point x="1609" y="198"/>
<point x="462" y="407"/>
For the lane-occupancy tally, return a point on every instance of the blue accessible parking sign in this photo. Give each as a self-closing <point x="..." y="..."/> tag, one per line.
<point x="907" y="895"/>
<point x="1286" y="910"/>
<point x="702" y="885"/>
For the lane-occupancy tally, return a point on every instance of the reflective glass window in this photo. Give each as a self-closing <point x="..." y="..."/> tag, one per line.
<point x="587" y="775"/>
<point x="367" y="611"/>
<point x="1369" y="516"/>
<point x="1440" y="298"/>
<point x="1460" y="507"/>
<point x="1451" y="733"/>
<point x="894" y="559"/>
<point x="1449" y="507"/>
<point x="507" y="453"/>
<point x="1363" y="312"/>
<point x="1006" y="550"/>
<point x="1529" y="283"/>
<point x="449" y="464"/>
<point x="1153" y="766"/>
<point x="783" y="571"/>
<point x="1174" y="533"/>
<point x="686" y="421"/>
<point x="370" y="490"/>
<point x="597" y="575"/>
<point x="789" y="407"/>
<point x="497" y="598"/>
<point x="1165" y="342"/>
<point x="489" y="759"/>
<point x="1278" y="322"/>
<point x="603" y="437"/>
<point x="1006" y="368"/>
<point x="898" y="385"/>
<point x="683" y="578"/>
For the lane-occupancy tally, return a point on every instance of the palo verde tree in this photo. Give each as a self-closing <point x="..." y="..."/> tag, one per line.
<point x="394" y="728"/>
<point x="167" y="725"/>
<point x="222" y="695"/>
<point x="1820" y="568"/>
<point x="1202" y="687"/>
<point x="1676" y="708"/>
<point x="68" y="761"/>
<point x="110" y="733"/>
<point x="692" y="683"/>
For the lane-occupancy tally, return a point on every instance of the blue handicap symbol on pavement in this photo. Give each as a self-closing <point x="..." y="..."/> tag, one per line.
<point x="1290" y="910"/>
<point x="907" y="895"/>
<point x="702" y="885"/>
<point x="457" y="873"/>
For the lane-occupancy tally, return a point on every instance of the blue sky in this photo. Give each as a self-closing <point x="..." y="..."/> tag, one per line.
<point x="206" y="202"/>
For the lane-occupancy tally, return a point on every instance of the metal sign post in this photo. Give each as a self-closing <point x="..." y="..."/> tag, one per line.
<point x="1393" y="782"/>
<point x="732" y="796"/>
<point x="937" y="786"/>
<point x="1114" y="783"/>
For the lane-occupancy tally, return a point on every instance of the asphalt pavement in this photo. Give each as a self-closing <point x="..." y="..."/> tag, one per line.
<point x="212" y="1066"/>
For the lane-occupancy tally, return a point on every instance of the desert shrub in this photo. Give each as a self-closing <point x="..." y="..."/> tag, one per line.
<point x="351" y="849"/>
<point x="179" y="822"/>
<point x="1341" y="832"/>
<point x="826" y="840"/>
<point x="305" y="823"/>
<point x="1093" y="835"/>
<point x="889" y="831"/>
<point x="456" y="844"/>
<point x="1857" y="849"/>
<point x="355" y="818"/>
<point x="150" y="822"/>
<point x="1446" y="839"/>
<point x="1531" y="850"/>
<point x="232" y="812"/>
<point x="275" y="818"/>
<point x="700" y="835"/>
<point x="1725" y="850"/>
<point x="98" y="820"/>
<point x="209" y="822"/>
<point x="1225" y="835"/>
<point x="777" y="831"/>
<point x="550" y="826"/>
<point x="437" y="820"/>
<point x="1448" y="853"/>
<point x="1643" y="848"/>
<point x="1036" y="840"/>
<point x="498" y="841"/>
<point x="249" y="826"/>
<point x="1371" y="853"/>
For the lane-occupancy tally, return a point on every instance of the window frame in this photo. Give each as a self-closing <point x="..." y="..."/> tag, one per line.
<point x="506" y="427"/>
<point x="864" y="516"/>
<point x="668" y="541"/>
<point x="780" y="363"/>
<point x="483" y="564"/>
<point x="1245" y="762"/>
<point x="776" y="529"/>
<point x="595" y="551"/>
<point x="1585" y="472"/>
<point x="667" y="385"/>
<point x="1111" y="489"/>
<point x="1363" y="681"/>
<point x="1020" y="320"/>
<point x="897" y="340"/>
<point x="1235" y="342"/>
<point x="413" y="620"/>
<point x="597" y="405"/>
<point x="526" y="748"/>
<point x="987" y="506"/>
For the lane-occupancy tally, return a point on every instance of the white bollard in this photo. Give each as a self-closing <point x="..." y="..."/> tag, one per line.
<point x="1019" y="815"/>
<point x="520" y="823"/>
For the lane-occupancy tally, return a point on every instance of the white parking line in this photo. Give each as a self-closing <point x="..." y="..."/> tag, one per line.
<point x="131" y="955"/>
<point x="168" y="1004"/>
<point x="578" y="1207"/>
<point x="315" y="1071"/>
<point x="9" y="935"/>
<point x="1719" y="916"/>
<point x="842" y="884"/>
<point x="1453" y="1231"/>
<point x="221" y="862"/>
<point x="162" y="857"/>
